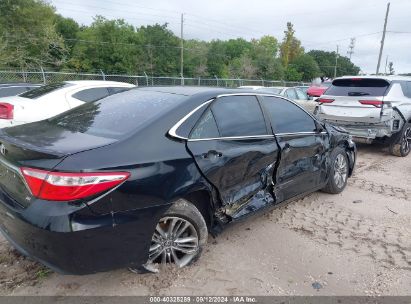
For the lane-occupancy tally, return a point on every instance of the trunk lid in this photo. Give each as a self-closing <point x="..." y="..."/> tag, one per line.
<point x="37" y="145"/>
<point x="359" y="100"/>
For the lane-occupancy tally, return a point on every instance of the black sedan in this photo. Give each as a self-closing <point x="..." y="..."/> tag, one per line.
<point x="141" y="177"/>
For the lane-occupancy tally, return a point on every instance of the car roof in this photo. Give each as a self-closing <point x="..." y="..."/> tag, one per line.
<point x="194" y="90"/>
<point x="385" y="77"/>
<point x="18" y="84"/>
<point x="97" y="82"/>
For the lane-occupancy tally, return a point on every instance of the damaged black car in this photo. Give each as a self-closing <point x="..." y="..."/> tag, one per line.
<point x="140" y="178"/>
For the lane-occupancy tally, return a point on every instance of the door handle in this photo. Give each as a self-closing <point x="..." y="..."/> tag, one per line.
<point x="211" y="153"/>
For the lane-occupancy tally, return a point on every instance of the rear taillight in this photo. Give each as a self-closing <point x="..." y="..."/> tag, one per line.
<point x="325" y="100"/>
<point x="375" y="103"/>
<point x="63" y="186"/>
<point x="6" y="110"/>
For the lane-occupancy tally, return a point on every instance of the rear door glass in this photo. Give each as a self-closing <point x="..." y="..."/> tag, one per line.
<point x="206" y="127"/>
<point x="290" y="93"/>
<point x="239" y="116"/>
<point x="358" y="87"/>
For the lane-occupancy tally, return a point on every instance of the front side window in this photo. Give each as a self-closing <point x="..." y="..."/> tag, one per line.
<point x="239" y="116"/>
<point x="206" y="127"/>
<point x="93" y="94"/>
<point x="286" y="117"/>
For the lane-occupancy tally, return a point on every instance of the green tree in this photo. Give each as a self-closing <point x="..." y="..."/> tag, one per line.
<point x="290" y="47"/>
<point x="28" y="38"/>
<point x="264" y="55"/>
<point x="160" y="50"/>
<point x="217" y="59"/>
<point x="391" y="70"/>
<point x="306" y="66"/>
<point x="291" y="74"/>
<point x="195" y="58"/>
<point x="242" y="67"/>
<point x="67" y="28"/>
<point x="326" y="63"/>
<point x="110" y="45"/>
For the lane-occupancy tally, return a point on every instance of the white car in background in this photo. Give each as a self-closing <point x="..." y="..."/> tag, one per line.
<point x="295" y="94"/>
<point x="52" y="99"/>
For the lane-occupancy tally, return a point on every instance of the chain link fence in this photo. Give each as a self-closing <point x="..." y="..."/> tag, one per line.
<point x="142" y="80"/>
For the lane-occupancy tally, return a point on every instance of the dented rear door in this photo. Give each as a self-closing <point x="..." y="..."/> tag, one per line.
<point x="233" y="148"/>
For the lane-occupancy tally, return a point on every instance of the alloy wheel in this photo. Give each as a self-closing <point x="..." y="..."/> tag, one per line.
<point x="340" y="171"/>
<point x="405" y="143"/>
<point x="175" y="240"/>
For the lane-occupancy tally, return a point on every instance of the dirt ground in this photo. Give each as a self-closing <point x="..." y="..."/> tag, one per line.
<point x="355" y="243"/>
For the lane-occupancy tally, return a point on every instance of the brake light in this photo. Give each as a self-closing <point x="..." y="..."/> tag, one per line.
<point x="6" y="110"/>
<point x="63" y="186"/>
<point x="375" y="103"/>
<point x="325" y="100"/>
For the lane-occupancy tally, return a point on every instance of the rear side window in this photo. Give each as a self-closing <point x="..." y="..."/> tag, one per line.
<point x="91" y="94"/>
<point x="12" y="91"/>
<point x="290" y="93"/>
<point x="358" y="87"/>
<point x="206" y="127"/>
<point x="286" y="117"/>
<point x="239" y="116"/>
<point x="406" y="88"/>
<point x="38" y="92"/>
<point x="300" y="94"/>
<point x="115" y="117"/>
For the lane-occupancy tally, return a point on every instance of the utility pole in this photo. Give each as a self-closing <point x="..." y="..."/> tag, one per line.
<point x="182" y="50"/>
<point x="351" y="47"/>
<point x="383" y="38"/>
<point x="386" y="64"/>
<point x="336" y="62"/>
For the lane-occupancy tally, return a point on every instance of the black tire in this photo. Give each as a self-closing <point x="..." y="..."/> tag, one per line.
<point x="334" y="185"/>
<point x="401" y="146"/>
<point x="172" y="235"/>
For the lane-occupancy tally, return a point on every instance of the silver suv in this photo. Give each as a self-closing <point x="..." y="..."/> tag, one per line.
<point x="371" y="108"/>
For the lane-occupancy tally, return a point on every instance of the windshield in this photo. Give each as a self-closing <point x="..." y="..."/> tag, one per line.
<point x="119" y="114"/>
<point x="43" y="90"/>
<point x="358" y="87"/>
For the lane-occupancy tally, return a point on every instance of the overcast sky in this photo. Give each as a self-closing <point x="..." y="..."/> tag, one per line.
<point x="319" y="24"/>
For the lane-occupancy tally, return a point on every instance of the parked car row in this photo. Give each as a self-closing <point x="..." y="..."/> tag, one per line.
<point x="297" y="94"/>
<point x="140" y="177"/>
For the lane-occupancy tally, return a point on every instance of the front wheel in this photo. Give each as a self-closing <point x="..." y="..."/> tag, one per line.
<point x="402" y="147"/>
<point x="338" y="171"/>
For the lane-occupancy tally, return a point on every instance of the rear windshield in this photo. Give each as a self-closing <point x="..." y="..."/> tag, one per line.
<point x="358" y="87"/>
<point x="117" y="115"/>
<point x="38" y="92"/>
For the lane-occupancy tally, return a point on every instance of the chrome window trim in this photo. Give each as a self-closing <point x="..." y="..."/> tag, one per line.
<point x="173" y="131"/>
<point x="299" y="133"/>
<point x="232" y="137"/>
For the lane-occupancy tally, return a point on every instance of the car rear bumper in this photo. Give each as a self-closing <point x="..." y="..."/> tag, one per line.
<point x="367" y="131"/>
<point x="91" y="244"/>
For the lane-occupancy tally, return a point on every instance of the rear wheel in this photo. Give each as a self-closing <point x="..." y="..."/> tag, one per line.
<point x="402" y="146"/>
<point x="179" y="237"/>
<point x="338" y="172"/>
